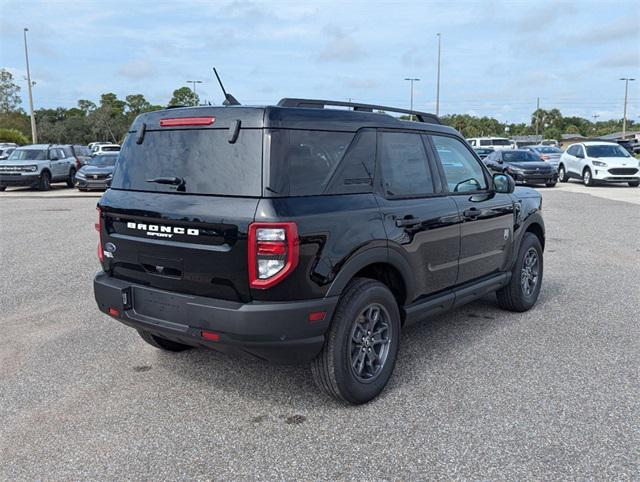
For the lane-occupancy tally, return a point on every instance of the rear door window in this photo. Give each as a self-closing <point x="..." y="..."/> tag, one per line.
<point x="404" y="165"/>
<point x="202" y="158"/>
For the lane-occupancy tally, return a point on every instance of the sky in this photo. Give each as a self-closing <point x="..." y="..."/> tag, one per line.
<point x="498" y="57"/>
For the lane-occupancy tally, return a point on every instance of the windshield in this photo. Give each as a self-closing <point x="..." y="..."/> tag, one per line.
<point x="28" y="155"/>
<point x="103" y="161"/>
<point x="607" y="150"/>
<point x="548" y="150"/>
<point x="519" y="156"/>
<point x="201" y="161"/>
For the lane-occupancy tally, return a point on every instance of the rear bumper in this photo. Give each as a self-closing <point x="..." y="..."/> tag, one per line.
<point x="278" y="332"/>
<point x="19" y="179"/>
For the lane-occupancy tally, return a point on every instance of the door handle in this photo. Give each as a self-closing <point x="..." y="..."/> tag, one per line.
<point x="471" y="213"/>
<point x="408" y="222"/>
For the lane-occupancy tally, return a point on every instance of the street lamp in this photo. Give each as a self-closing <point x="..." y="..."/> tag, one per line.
<point x="438" y="77"/>
<point x="624" y="116"/>
<point x="34" y="134"/>
<point x="193" y="88"/>
<point x="412" y="80"/>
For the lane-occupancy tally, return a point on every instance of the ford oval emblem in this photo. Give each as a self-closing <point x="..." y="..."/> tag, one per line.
<point x="110" y="247"/>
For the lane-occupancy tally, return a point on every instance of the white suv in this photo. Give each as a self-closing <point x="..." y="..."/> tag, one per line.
<point x="38" y="166"/>
<point x="495" y="143"/>
<point x="595" y="162"/>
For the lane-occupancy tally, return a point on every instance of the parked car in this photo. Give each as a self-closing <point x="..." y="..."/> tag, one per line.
<point x="599" y="162"/>
<point x="524" y="166"/>
<point x="38" y="166"/>
<point x="495" y="143"/>
<point x="82" y="154"/>
<point x="550" y="154"/>
<point x="627" y="144"/>
<point x="550" y="142"/>
<point x="6" y="151"/>
<point x="105" y="148"/>
<point x="302" y="233"/>
<point x="96" y="173"/>
<point x="482" y="151"/>
<point x="92" y="145"/>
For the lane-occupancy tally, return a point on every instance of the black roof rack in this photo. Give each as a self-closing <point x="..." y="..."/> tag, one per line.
<point x="320" y="104"/>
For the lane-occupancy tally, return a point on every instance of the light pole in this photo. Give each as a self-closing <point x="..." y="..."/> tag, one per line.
<point x="624" y="116"/>
<point x="438" y="77"/>
<point x="34" y="133"/>
<point x="412" y="80"/>
<point x="193" y="88"/>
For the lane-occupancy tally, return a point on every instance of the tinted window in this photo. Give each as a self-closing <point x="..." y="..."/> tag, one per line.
<point x="605" y="150"/>
<point x="501" y="142"/>
<point x="302" y="162"/>
<point x="519" y="156"/>
<point x="204" y="158"/>
<point x="405" y="169"/>
<point x="461" y="169"/>
<point x="572" y="150"/>
<point x="548" y="150"/>
<point x="110" y="149"/>
<point x="485" y="142"/>
<point x="354" y="174"/>
<point x="28" y="155"/>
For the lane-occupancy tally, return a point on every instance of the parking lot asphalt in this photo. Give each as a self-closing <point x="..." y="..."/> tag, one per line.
<point x="478" y="393"/>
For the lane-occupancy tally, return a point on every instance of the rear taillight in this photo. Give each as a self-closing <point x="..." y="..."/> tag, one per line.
<point x="98" y="227"/>
<point x="78" y="163"/>
<point x="273" y="253"/>
<point x="187" y="121"/>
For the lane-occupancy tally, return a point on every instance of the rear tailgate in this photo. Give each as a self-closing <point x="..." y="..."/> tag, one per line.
<point x="184" y="190"/>
<point x="187" y="244"/>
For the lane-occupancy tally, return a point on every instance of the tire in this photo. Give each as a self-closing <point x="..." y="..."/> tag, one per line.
<point x="550" y="184"/>
<point x="341" y="370"/>
<point x="2" y="188"/>
<point x="514" y="296"/>
<point x="45" y="181"/>
<point x="72" y="177"/>
<point x="162" y="343"/>
<point x="587" y="178"/>
<point x="634" y="183"/>
<point x="562" y="174"/>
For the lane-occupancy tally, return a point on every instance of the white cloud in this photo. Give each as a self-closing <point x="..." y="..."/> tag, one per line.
<point x="137" y="69"/>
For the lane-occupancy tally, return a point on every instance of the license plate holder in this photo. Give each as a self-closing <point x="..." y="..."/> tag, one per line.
<point x="162" y="306"/>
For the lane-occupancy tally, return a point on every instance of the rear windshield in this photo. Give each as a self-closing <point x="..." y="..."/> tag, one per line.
<point x="110" y="148"/>
<point x="606" y="151"/>
<point x="28" y="155"/>
<point x="519" y="156"/>
<point x="202" y="158"/>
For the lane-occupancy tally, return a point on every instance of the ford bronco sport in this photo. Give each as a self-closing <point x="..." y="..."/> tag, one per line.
<point x="302" y="233"/>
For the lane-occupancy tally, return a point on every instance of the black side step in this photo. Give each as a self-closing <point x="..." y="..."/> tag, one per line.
<point x="459" y="296"/>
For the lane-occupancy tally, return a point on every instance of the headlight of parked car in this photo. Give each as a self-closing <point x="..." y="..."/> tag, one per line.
<point x="514" y="169"/>
<point x="80" y="175"/>
<point x="31" y="168"/>
<point x="599" y="163"/>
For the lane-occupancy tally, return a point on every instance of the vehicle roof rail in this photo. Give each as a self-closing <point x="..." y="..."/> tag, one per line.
<point x="356" y="106"/>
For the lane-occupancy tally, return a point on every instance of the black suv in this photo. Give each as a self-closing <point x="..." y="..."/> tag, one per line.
<point x="301" y="233"/>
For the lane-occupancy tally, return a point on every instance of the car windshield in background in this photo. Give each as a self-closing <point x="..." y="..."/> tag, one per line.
<point x="519" y="156"/>
<point x="501" y="142"/>
<point x="110" y="149"/>
<point x="549" y="150"/>
<point x="202" y="160"/>
<point x="103" y="161"/>
<point x="606" y="151"/>
<point x="28" y="155"/>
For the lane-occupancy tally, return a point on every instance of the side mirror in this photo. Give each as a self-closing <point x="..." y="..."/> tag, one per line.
<point x="504" y="183"/>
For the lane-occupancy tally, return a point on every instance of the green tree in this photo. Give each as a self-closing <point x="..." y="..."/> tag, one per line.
<point x="184" y="96"/>
<point x="9" y="93"/>
<point x="86" y="106"/>
<point x="13" y="135"/>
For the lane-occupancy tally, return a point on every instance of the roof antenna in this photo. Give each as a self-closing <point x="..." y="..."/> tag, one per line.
<point x="228" y="98"/>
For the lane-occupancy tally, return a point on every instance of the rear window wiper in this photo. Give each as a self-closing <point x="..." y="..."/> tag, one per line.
<point x="173" y="181"/>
